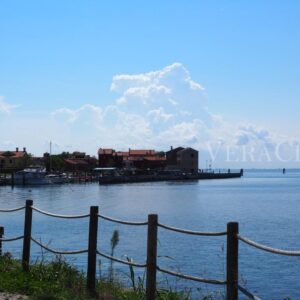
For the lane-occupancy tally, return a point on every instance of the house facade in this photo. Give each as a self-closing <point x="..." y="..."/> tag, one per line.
<point x="187" y="160"/>
<point x="13" y="161"/>
<point x="171" y="158"/>
<point x="182" y="159"/>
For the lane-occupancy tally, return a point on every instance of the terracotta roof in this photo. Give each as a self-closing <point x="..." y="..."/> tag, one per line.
<point x="155" y="158"/>
<point x="133" y="158"/>
<point x="74" y="161"/>
<point x="120" y="153"/>
<point x="13" y="154"/>
<point x="141" y="152"/>
<point x="106" y="151"/>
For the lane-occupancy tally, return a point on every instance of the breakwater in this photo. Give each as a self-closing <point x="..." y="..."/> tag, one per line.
<point x="167" y="177"/>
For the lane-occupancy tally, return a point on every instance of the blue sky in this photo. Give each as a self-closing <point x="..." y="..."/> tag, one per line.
<point x="61" y="56"/>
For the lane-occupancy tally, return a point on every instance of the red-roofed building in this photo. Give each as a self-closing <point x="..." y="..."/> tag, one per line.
<point x="107" y="158"/>
<point x="80" y="162"/>
<point x="140" y="159"/>
<point x="12" y="161"/>
<point x="123" y="154"/>
<point x="141" y="153"/>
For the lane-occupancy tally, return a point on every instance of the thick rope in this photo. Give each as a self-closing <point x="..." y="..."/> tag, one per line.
<point x="128" y="263"/>
<point x="12" y="239"/>
<point x="122" y="222"/>
<point x="247" y="293"/>
<point x="268" y="249"/>
<point x="60" y="216"/>
<point x="11" y="209"/>
<point x="198" y="279"/>
<point x="191" y="232"/>
<point x="57" y="251"/>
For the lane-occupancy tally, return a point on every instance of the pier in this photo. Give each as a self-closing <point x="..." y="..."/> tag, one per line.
<point x="168" y="176"/>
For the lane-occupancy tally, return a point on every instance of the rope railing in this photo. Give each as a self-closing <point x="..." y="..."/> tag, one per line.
<point x="129" y="263"/>
<point x="267" y="248"/>
<point x="232" y="233"/>
<point x="122" y="222"/>
<point x="11" y="239"/>
<point x="185" y="231"/>
<point x="247" y="293"/>
<point x="11" y="209"/>
<point x="189" y="277"/>
<point x="58" y="251"/>
<point x="58" y="215"/>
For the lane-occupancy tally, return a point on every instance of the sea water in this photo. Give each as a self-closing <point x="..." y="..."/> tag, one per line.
<point x="266" y="203"/>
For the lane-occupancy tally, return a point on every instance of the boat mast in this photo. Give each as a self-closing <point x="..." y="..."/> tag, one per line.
<point x="50" y="160"/>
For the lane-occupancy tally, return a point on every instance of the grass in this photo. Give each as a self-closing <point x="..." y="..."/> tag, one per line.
<point x="58" y="280"/>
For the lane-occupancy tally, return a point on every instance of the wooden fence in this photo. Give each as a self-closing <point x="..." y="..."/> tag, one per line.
<point x="232" y="233"/>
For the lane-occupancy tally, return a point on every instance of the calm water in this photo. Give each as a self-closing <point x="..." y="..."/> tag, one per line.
<point x="265" y="203"/>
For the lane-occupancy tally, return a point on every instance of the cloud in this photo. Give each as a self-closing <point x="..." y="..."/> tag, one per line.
<point x="154" y="109"/>
<point x="5" y="107"/>
<point x="170" y="88"/>
<point x="73" y="115"/>
<point x="159" y="115"/>
<point x="166" y="107"/>
<point x="247" y="134"/>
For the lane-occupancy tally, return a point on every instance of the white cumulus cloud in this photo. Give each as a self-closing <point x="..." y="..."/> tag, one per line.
<point x="5" y="107"/>
<point x="154" y="109"/>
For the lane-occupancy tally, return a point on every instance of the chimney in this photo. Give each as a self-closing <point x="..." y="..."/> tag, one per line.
<point x="171" y="147"/>
<point x="17" y="149"/>
<point x="24" y="149"/>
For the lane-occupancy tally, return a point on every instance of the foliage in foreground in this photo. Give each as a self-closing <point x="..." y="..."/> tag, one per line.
<point x="57" y="280"/>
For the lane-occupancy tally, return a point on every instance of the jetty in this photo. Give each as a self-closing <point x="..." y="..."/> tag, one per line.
<point x="167" y="176"/>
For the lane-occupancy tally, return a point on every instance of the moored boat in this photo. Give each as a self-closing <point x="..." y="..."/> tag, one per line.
<point x="58" y="178"/>
<point x="38" y="176"/>
<point x="31" y="176"/>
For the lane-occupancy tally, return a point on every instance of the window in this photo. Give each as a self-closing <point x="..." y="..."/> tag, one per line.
<point x="192" y="155"/>
<point x="10" y="161"/>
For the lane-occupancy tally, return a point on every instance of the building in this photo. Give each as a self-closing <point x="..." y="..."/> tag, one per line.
<point x="80" y="162"/>
<point x="171" y="157"/>
<point x="183" y="159"/>
<point x="131" y="159"/>
<point x="187" y="160"/>
<point x="13" y="161"/>
<point x="72" y="162"/>
<point x="109" y="158"/>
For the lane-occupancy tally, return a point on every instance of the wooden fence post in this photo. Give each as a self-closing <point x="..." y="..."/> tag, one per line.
<point x="1" y="236"/>
<point x="232" y="261"/>
<point x="151" y="257"/>
<point x="92" y="249"/>
<point x="27" y="235"/>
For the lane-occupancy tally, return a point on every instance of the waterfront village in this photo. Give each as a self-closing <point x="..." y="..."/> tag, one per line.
<point x="131" y="165"/>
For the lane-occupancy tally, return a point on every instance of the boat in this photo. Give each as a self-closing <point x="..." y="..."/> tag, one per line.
<point x="39" y="176"/>
<point x="31" y="176"/>
<point x="58" y="178"/>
